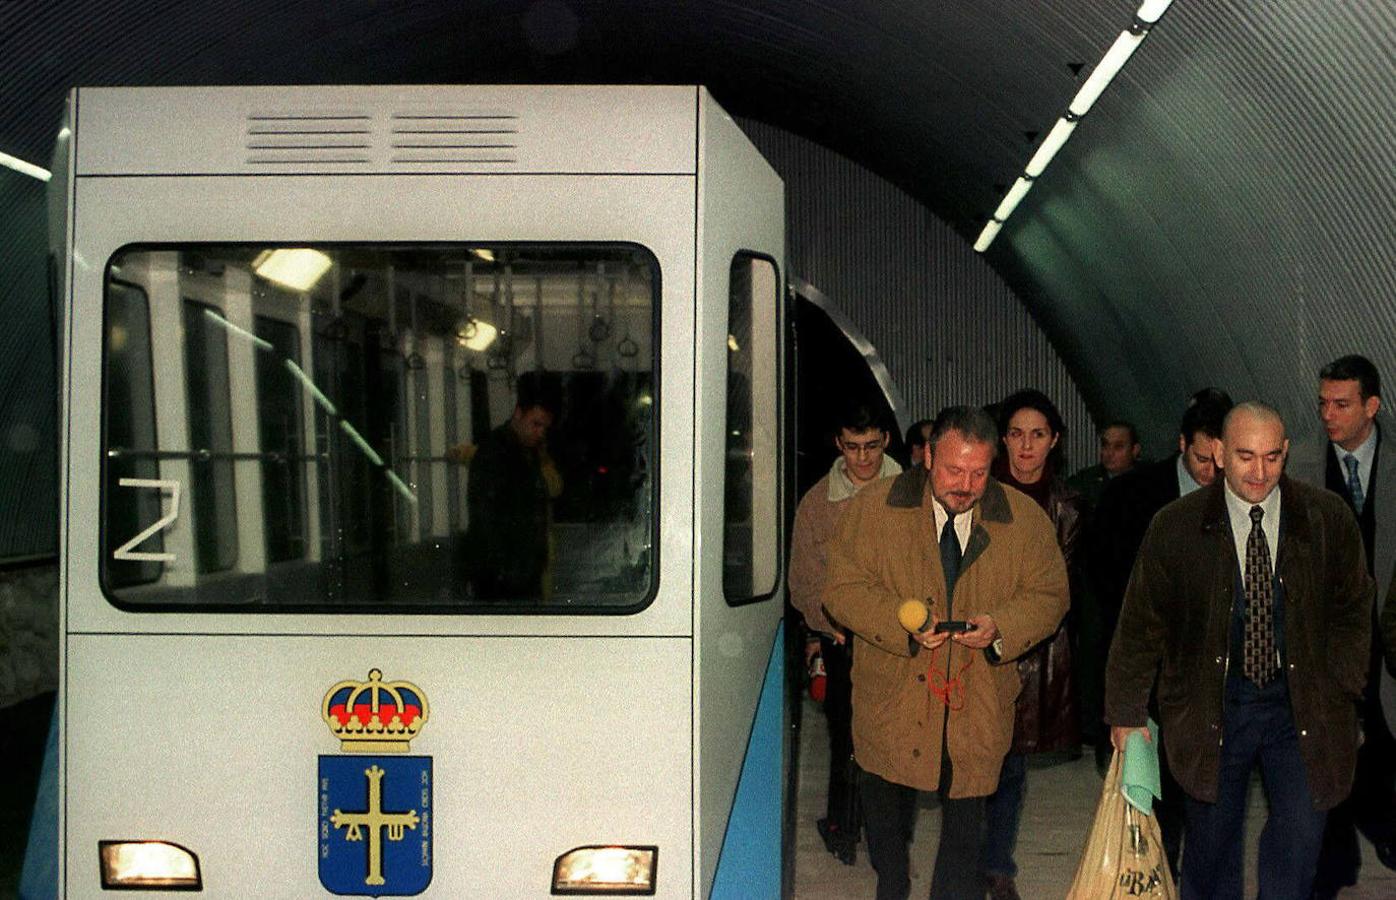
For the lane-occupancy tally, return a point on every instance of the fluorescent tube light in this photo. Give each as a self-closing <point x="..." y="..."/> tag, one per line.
<point x="297" y="268"/>
<point x="24" y="168"/>
<point x="1011" y="200"/>
<point x="986" y="237"/>
<point x="1108" y="67"/>
<point x="1150" y="10"/>
<point x="1049" y="147"/>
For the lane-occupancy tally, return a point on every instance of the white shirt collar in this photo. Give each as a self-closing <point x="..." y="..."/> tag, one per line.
<point x="963" y="522"/>
<point x="1239" y="510"/>
<point x="1366" y="453"/>
<point x="1186" y="483"/>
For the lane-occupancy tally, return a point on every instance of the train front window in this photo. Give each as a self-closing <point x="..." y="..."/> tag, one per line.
<point x="436" y="428"/>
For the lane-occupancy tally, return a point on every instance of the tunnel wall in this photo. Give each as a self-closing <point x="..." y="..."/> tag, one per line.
<point x="947" y="326"/>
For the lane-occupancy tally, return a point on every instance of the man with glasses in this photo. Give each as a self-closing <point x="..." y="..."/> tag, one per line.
<point x="861" y="441"/>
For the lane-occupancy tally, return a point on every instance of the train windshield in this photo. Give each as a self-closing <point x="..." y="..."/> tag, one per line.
<point x="436" y="428"/>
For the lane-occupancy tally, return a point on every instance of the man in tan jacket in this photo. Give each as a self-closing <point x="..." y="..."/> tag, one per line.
<point x="933" y="709"/>
<point x="862" y="444"/>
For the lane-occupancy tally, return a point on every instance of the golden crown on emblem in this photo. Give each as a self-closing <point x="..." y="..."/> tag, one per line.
<point x="375" y="715"/>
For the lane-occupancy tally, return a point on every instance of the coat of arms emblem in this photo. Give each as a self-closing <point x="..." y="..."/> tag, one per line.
<point x="374" y="800"/>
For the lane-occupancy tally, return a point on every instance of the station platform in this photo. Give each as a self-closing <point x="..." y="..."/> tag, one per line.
<point x="1057" y="816"/>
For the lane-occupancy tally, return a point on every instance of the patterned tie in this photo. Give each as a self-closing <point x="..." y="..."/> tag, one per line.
<point x="1354" y="483"/>
<point x="1260" y="666"/>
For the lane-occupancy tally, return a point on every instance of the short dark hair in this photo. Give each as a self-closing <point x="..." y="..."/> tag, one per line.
<point x="1121" y="423"/>
<point x="917" y="433"/>
<point x="535" y="389"/>
<point x="1354" y="368"/>
<point x="1206" y="411"/>
<point x="858" y="415"/>
<point x="971" y="421"/>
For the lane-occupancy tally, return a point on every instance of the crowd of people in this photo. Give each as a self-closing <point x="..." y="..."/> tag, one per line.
<point x="978" y="607"/>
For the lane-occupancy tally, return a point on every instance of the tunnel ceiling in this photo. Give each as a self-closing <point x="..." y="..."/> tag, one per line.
<point x="1218" y="217"/>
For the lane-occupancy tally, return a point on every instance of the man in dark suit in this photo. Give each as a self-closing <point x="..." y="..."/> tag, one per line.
<point x="1250" y="607"/>
<point x="1116" y="531"/>
<point x="1354" y="464"/>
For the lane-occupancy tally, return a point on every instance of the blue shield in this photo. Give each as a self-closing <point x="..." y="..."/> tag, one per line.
<point x="375" y="825"/>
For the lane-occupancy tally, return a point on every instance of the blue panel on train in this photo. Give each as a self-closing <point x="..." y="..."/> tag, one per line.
<point x="375" y="825"/>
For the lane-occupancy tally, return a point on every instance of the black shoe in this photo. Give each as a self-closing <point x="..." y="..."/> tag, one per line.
<point x="844" y="847"/>
<point x="1386" y="852"/>
<point x="1103" y="753"/>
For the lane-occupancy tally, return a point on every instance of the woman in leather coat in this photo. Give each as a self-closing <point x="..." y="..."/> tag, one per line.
<point x="1031" y="429"/>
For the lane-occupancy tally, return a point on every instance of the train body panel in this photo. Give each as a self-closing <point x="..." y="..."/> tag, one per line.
<point x="272" y="500"/>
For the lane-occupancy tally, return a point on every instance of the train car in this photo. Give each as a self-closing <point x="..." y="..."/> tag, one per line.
<point x="424" y="495"/>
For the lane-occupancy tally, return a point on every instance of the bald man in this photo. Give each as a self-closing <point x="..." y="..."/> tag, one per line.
<point x="1251" y="604"/>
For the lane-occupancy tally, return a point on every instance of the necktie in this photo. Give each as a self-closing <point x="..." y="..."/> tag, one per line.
<point x="1354" y="483"/>
<point x="949" y="557"/>
<point x="1261" y="664"/>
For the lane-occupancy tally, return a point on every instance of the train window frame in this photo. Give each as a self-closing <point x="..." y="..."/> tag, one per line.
<point x="645" y="256"/>
<point x="776" y="418"/>
<point x="149" y="340"/>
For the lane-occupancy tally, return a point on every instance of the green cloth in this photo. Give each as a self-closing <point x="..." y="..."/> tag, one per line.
<point x="1140" y="780"/>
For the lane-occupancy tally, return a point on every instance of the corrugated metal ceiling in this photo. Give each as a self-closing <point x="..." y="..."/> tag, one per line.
<point x="1217" y="218"/>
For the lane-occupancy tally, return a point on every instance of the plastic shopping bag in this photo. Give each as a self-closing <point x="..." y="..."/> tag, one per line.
<point x="1124" y="853"/>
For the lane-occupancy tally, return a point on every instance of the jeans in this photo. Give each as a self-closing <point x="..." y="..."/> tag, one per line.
<point x="1258" y="728"/>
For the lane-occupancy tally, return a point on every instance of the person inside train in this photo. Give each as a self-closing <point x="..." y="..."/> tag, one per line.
<point x="986" y="561"/>
<point x="510" y="488"/>
<point x="1045" y="720"/>
<point x="1353" y="461"/>
<point x="1126" y="509"/>
<point x="862" y="442"/>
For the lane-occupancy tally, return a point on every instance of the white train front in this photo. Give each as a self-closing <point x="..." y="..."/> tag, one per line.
<point x="279" y="676"/>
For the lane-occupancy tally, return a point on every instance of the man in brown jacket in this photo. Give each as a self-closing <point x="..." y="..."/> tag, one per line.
<point x="862" y="444"/>
<point x="1256" y="663"/>
<point x="933" y="710"/>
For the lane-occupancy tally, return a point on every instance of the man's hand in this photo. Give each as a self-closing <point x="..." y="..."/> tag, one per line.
<point x="1120" y="733"/>
<point x="982" y="636"/>
<point x="929" y="638"/>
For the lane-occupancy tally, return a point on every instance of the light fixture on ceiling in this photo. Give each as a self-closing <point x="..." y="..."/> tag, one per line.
<point x="24" y="168"/>
<point x="1101" y="76"/>
<point x="1013" y="197"/>
<point x="475" y="334"/>
<point x="1050" y="145"/>
<point x="1105" y="71"/>
<point x="986" y="237"/>
<point x="298" y="268"/>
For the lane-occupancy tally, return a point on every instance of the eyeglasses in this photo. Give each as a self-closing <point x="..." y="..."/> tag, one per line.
<point x="859" y="449"/>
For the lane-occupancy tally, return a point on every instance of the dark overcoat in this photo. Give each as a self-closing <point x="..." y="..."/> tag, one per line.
<point x="1176" y="622"/>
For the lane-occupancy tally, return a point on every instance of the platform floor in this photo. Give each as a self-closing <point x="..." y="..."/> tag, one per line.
<point x="1060" y="805"/>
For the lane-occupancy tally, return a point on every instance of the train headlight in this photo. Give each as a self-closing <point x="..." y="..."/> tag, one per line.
<point x="148" y="866"/>
<point x="606" y="870"/>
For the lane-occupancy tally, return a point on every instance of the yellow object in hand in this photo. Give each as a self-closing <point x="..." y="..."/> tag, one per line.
<point x="915" y="616"/>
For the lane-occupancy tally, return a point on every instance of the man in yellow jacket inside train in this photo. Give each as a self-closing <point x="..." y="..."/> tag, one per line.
<point x="933" y="701"/>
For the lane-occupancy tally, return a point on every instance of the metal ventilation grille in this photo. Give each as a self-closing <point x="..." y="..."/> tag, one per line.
<point x="472" y="137"/>
<point x="287" y="138"/>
